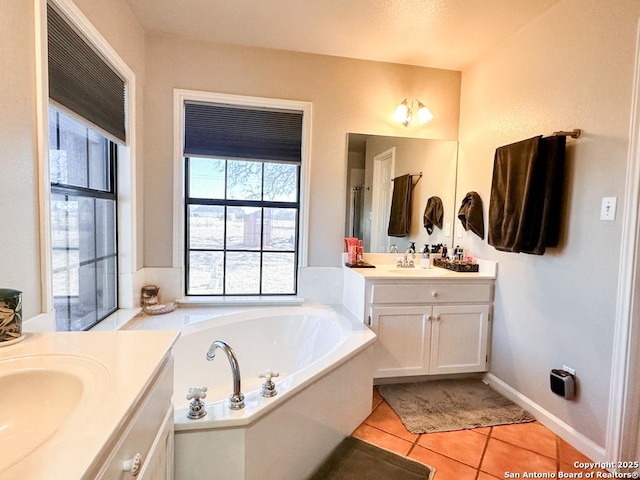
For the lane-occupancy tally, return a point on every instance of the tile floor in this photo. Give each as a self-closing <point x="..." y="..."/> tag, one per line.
<point x="479" y="454"/>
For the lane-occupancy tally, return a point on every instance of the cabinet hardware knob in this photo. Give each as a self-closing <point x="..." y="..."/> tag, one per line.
<point x="434" y="294"/>
<point x="133" y="465"/>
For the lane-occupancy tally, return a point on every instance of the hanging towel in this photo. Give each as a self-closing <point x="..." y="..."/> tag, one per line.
<point x="400" y="215"/>
<point x="433" y="214"/>
<point x="526" y="195"/>
<point x="470" y="214"/>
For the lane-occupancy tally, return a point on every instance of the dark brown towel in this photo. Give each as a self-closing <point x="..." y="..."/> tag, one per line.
<point x="400" y="215"/>
<point x="433" y="214"/>
<point x="526" y="195"/>
<point x="470" y="214"/>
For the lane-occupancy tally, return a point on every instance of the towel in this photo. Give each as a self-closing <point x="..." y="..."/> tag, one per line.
<point x="400" y="215"/>
<point x="470" y="214"/>
<point x="433" y="214"/>
<point x="526" y="195"/>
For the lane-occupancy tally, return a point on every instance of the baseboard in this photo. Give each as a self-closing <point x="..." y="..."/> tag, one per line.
<point x="586" y="446"/>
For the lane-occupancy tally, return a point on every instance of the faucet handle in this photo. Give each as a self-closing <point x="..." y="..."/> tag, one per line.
<point x="196" y="407"/>
<point x="268" y="387"/>
<point x="197" y="393"/>
<point x="268" y="375"/>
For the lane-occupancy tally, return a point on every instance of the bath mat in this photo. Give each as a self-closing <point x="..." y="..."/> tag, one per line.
<point x="354" y="459"/>
<point x="444" y="405"/>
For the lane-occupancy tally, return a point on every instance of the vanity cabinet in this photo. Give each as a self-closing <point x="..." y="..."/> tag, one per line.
<point x="434" y="324"/>
<point x="430" y="340"/>
<point x="143" y="448"/>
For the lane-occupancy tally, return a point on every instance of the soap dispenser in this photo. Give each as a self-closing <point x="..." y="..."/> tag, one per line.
<point x="424" y="261"/>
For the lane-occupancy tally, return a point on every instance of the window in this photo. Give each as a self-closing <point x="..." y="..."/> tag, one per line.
<point x="87" y="115"/>
<point x="242" y="204"/>
<point x="83" y="223"/>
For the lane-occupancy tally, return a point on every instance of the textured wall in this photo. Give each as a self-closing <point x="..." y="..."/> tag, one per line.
<point x="19" y="234"/>
<point x="347" y="96"/>
<point x="570" y="68"/>
<point x="19" y="184"/>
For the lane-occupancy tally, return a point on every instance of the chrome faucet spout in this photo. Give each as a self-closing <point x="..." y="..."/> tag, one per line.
<point x="236" y="399"/>
<point x="407" y="261"/>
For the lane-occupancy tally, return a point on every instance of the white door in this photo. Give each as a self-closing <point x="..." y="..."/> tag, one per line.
<point x="459" y="337"/>
<point x="381" y="194"/>
<point x="403" y="340"/>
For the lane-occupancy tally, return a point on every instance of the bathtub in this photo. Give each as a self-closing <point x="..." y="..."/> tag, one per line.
<point x="324" y="389"/>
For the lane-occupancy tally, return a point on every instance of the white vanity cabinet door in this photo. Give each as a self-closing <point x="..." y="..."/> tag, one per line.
<point x="459" y="339"/>
<point x="403" y="333"/>
<point x="141" y="436"/>
<point x="159" y="464"/>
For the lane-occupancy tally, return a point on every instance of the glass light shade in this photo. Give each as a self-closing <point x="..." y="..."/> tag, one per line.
<point x="402" y="113"/>
<point x="424" y="115"/>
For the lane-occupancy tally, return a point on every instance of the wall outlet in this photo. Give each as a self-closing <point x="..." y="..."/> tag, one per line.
<point x="608" y="208"/>
<point x="569" y="369"/>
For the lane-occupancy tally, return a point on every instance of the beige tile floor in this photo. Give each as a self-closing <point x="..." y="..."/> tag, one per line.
<point x="478" y="454"/>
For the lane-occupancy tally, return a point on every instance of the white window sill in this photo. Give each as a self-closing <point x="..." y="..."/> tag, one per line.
<point x="195" y="301"/>
<point x="116" y="320"/>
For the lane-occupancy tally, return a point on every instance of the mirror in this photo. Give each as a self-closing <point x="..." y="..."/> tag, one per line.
<point x="372" y="162"/>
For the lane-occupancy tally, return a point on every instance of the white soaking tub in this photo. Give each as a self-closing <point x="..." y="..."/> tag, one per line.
<point x="324" y="392"/>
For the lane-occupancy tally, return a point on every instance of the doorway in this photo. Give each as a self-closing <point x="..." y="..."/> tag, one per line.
<point x="381" y="194"/>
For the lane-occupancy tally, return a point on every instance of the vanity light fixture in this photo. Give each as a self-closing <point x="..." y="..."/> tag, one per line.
<point x="404" y="112"/>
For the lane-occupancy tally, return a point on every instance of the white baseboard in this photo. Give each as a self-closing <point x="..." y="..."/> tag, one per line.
<point x="586" y="446"/>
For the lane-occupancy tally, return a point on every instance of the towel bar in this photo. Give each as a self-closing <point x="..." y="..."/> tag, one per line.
<point x="575" y="133"/>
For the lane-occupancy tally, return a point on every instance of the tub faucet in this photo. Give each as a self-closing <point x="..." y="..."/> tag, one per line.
<point x="236" y="399"/>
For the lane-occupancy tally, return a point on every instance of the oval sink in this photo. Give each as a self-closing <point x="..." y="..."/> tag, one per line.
<point x="40" y="394"/>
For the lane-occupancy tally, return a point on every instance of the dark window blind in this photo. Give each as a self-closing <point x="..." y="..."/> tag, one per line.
<point x="226" y="131"/>
<point x="81" y="81"/>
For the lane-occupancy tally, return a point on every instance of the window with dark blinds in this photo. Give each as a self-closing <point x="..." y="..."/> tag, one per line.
<point x="80" y="79"/>
<point x="225" y="131"/>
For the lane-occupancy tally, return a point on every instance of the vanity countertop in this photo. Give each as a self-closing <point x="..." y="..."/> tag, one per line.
<point x="391" y="271"/>
<point x="90" y="379"/>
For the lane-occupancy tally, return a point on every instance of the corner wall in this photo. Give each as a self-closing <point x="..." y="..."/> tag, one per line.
<point x="19" y="183"/>
<point x="347" y="96"/>
<point x="570" y="68"/>
<point x="19" y="235"/>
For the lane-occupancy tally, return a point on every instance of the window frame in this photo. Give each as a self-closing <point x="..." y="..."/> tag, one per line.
<point x="179" y="192"/>
<point x="261" y="204"/>
<point x="126" y="159"/>
<point x="110" y="193"/>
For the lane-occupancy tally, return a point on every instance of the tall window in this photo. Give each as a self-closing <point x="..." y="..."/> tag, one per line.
<point x="82" y="156"/>
<point x="83" y="223"/>
<point x="242" y="200"/>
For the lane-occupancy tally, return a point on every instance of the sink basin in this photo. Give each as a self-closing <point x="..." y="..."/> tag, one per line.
<point x="40" y="394"/>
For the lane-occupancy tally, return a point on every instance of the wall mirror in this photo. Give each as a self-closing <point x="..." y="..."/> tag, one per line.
<point x="372" y="163"/>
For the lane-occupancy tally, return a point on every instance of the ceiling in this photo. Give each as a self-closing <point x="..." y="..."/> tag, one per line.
<point x="445" y="34"/>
